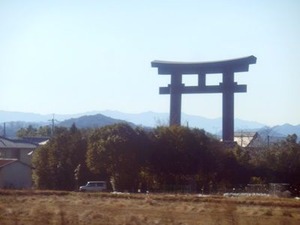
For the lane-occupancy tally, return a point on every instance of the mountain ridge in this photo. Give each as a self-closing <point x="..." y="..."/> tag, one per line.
<point x="146" y="119"/>
<point x="90" y="121"/>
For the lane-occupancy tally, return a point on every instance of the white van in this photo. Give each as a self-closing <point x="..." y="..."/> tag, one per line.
<point x="94" y="186"/>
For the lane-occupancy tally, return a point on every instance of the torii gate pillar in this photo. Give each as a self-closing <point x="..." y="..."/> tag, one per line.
<point x="228" y="87"/>
<point x="175" y="99"/>
<point x="228" y="107"/>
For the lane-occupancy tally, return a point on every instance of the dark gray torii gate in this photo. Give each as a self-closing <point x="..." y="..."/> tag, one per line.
<point x="228" y="87"/>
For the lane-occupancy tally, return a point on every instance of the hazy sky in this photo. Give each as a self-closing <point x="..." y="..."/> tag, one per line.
<point x="68" y="57"/>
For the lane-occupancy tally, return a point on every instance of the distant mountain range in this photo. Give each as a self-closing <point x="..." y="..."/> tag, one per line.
<point x="152" y="119"/>
<point x="16" y="120"/>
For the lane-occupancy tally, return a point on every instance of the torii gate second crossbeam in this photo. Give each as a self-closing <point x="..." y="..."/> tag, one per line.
<point x="228" y="87"/>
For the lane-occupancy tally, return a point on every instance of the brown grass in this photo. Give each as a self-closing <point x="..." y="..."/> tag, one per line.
<point x="48" y="207"/>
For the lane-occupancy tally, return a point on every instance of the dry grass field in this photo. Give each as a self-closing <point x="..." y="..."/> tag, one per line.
<point x="48" y="207"/>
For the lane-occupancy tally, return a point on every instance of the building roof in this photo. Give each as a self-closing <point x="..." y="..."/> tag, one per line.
<point x="4" y="162"/>
<point x="244" y="139"/>
<point x="36" y="140"/>
<point x="10" y="143"/>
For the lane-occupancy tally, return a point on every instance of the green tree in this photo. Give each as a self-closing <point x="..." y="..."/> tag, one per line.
<point x="116" y="150"/>
<point x="44" y="131"/>
<point x="56" y="161"/>
<point x="280" y="163"/>
<point x="30" y="131"/>
<point x="182" y="156"/>
<point x="41" y="174"/>
<point x="286" y="160"/>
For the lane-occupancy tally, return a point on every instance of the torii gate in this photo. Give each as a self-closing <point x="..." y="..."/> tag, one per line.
<point x="228" y="87"/>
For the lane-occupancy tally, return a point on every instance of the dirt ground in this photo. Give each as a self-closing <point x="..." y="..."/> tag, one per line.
<point x="37" y="207"/>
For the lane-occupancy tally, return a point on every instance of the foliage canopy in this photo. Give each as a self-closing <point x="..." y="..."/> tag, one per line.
<point x="132" y="158"/>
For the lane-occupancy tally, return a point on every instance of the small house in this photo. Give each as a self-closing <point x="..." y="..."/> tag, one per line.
<point x="15" y="163"/>
<point x="15" y="174"/>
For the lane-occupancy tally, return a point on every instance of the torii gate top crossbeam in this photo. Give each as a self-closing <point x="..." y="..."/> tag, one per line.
<point x="233" y="65"/>
<point x="228" y="87"/>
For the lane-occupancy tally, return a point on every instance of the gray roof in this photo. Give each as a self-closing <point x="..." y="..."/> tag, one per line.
<point x="244" y="139"/>
<point x="4" y="162"/>
<point x="36" y="140"/>
<point x="9" y="143"/>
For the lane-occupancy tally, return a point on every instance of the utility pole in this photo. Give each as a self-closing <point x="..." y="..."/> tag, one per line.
<point x="4" y="129"/>
<point x="242" y="136"/>
<point x="52" y="124"/>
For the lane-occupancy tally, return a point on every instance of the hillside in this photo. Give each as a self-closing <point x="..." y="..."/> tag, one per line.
<point x="92" y="121"/>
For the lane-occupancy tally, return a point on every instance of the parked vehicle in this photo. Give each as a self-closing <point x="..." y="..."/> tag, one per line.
<point x="94" y="186"/>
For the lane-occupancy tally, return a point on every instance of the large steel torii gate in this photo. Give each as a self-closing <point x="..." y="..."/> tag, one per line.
<point x="228" y="87"/>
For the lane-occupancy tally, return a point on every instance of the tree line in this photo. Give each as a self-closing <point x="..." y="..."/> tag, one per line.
<point x="158" y="159"/>
<point x="31" y="131"/>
